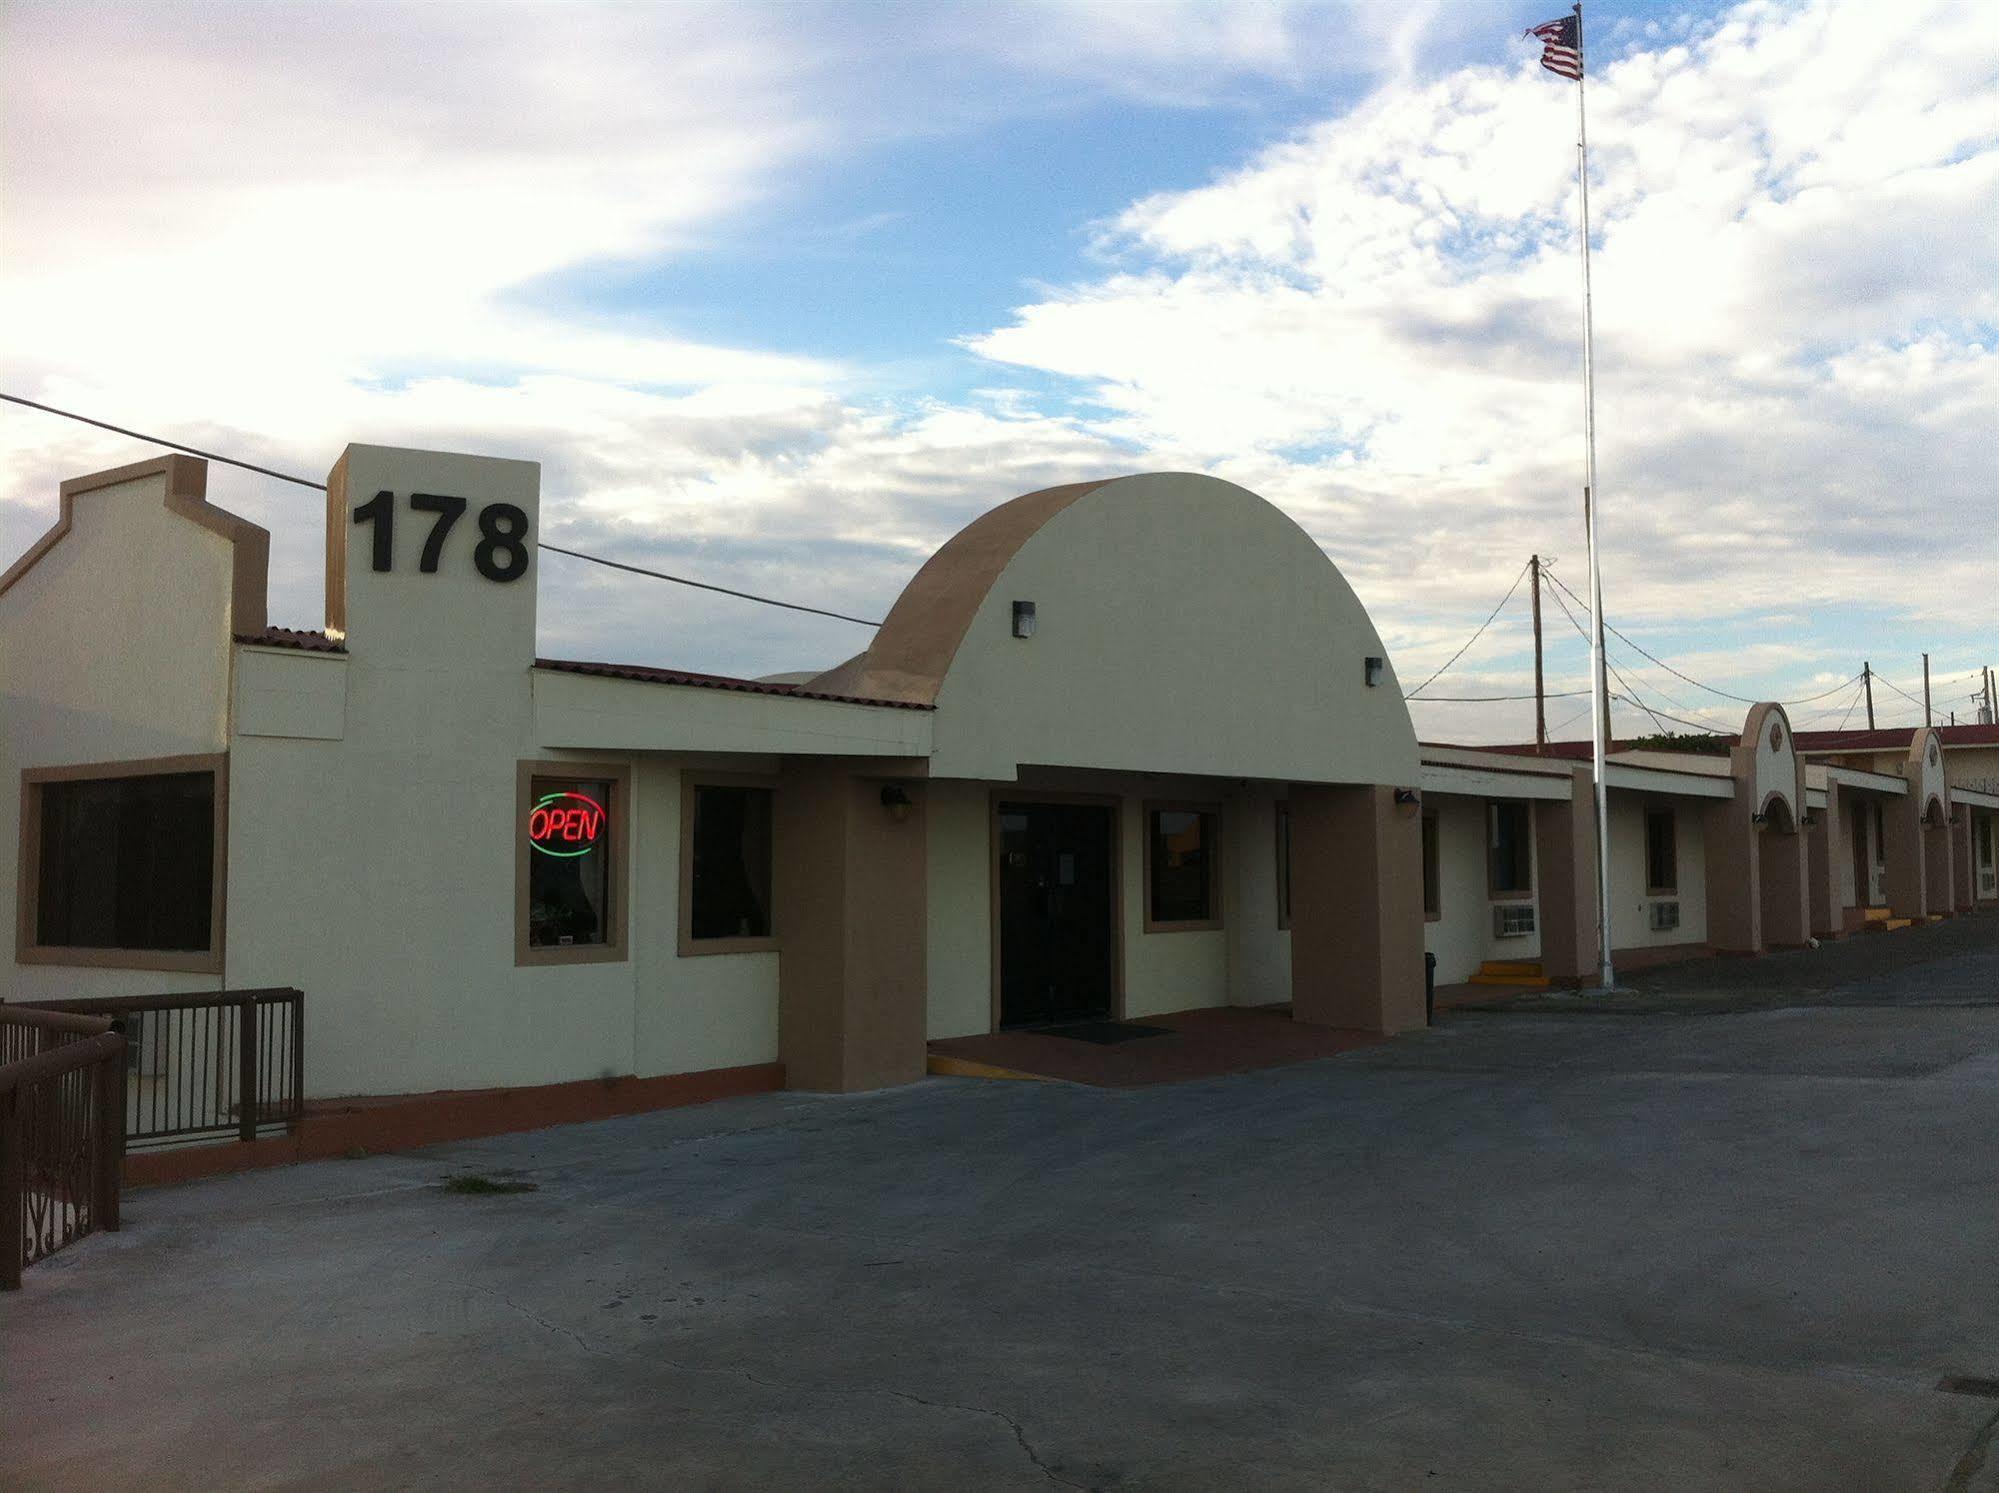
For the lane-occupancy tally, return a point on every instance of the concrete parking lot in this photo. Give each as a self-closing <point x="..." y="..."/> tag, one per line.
<point x="1720" y="1245"/>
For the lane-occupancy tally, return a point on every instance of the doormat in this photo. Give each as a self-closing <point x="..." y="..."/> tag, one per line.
<point x="1104" y="1033"/>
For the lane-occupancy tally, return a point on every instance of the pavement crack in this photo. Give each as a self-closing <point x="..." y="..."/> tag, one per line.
<point x="749" y="1377"/>
<point x="1967" y="1466"/>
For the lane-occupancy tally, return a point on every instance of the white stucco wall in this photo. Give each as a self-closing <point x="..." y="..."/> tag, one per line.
<point x="1630" y="902"/>
<point x="958" y="821"/>
<point x="1184" y="625"/>
<point x="114" y="646"/>
<point x="1462" y="937"/>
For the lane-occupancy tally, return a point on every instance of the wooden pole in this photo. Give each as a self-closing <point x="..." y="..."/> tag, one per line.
<point x="1540" y="696"/>
<point x="1929" y="718"/>
<point x="1867" y="678"/>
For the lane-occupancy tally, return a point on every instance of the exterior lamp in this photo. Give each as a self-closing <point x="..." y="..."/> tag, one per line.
<point x="1406" y="796"/>
<point x="1023" y="619"/>
<point x="896" y="800"/>
<point x="1371" y="670"/>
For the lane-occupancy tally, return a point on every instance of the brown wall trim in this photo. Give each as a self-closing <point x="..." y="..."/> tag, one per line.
<point x="690" y="947"/>
<point x="1039" y="796"/>
<point x="1217" y="870"/>
<point x="187" y="486"/>
<point x="401" y="1122"/>
<point x="614" y="949"/>
<point x="27" y="893"/>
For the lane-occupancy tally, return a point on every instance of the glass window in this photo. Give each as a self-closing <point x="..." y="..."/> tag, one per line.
<point x="126" y="863"/>
<point x="1511" y="845"/>
<point x="1284" y="865"/>
<point x="569" y="830"/>
<point x="1662" y="852"/>
<point x="1181" y="857"/>
<point x="1433" y="892"/>
<point x="729" y="895"/>
<point x="1985" y="840"/>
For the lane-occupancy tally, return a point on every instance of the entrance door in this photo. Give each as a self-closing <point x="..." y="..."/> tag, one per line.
<point x="1057" y="942"/>
<point x="1863" y="863"/>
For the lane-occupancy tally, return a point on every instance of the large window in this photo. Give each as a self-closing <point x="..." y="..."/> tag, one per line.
<point x="1182" y="855"/>
<point x="1283" y="865"/>
<point x="1662" y="853"/>
<point x="1510" y="842"/>
<point x="725" y="870"/>
<point x="122" y="865"/>
<point x="572" y="856"/>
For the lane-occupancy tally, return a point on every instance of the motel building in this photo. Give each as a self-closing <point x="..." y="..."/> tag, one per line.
<point x="1122" y="750"/>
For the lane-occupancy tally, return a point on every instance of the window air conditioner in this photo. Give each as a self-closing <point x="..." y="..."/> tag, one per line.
<point x="1512" y="919"/>
<point x="1665" y="916"/>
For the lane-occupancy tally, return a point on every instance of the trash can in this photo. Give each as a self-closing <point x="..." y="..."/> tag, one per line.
<point x="1429" y="987"/>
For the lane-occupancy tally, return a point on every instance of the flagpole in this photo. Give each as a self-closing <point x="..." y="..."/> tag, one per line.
<point x="1599" y="691"/>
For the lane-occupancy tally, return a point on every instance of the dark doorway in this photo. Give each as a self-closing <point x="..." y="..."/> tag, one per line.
<point x="1057" y="939"/>
<point x="1862" y="892"/>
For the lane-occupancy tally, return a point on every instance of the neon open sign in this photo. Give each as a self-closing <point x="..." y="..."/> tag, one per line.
<point x="565" y="824"/>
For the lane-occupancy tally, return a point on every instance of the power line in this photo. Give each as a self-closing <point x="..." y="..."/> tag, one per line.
<point x="1567" y="694"/>
<point x="1740" y="699"/>
<point x="1473" y="638"/>
<point x="251" y="466"/>
<point x="1630" y="696"/>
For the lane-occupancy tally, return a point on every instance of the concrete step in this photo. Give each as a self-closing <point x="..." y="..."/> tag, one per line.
<point x="1516" y="972"/>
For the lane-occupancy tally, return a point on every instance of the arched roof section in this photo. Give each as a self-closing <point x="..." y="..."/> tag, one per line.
<point x="1183" y="624"/>
<point x="1928" y="778"/>
<point x="1774" y="770"/>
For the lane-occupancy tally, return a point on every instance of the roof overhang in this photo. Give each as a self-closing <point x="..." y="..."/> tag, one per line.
<point x="1871" y="782"/>
<point x="1667" y="781"/>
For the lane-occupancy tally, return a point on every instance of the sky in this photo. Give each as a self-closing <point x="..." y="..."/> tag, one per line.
<point x="781" y="296"/>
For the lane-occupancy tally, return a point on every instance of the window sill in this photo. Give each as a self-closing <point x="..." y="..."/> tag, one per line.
<point x="696" y="948"/>
<point x="184" y="961"/>
<point x="589" y="953"/>
<point x="1203" y="925"/>
<point x="1524" y="896"/>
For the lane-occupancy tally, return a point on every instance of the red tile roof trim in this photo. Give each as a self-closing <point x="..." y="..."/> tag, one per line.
<point x="292" y="637"/>
<point x="646" y="675"/>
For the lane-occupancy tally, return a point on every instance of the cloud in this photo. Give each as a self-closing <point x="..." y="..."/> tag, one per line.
<point x="273" y="229"/>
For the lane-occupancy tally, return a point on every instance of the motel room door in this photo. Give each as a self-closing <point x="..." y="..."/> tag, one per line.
<point x="1057" y="944"/>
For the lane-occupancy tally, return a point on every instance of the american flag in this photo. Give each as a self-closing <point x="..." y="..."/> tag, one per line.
<point x="1561" y="47"/>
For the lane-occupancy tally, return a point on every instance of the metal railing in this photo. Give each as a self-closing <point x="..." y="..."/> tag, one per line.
<point x="215" y="1064"/>
<point x="61" y="1143"/>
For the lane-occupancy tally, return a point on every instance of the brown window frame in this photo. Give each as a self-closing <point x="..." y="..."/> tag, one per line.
<point x="690" y="947"/>
<point x="1433" y="869"/>
<point x="1492" y="891"/>
<point x="27" y="899"/>
<point x="615" y="949"/>
<point x="1654" y="812"/>
<point x="1216" y="899"/>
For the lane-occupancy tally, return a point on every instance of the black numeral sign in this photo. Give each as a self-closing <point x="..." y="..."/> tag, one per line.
<point x="500" y="555"/>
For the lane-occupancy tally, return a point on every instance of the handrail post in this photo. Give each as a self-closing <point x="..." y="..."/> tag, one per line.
<point x="110" y="1079"/>
<point x="246" y="1068"/>
<point x="12" y="1219"/>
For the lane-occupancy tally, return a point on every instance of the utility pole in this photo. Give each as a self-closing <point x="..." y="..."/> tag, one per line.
<point x="1540" y="698"/>
<point x="1867" y="677"/>
<point x="1991" y="698"/>
<point x="1928" y="718"/>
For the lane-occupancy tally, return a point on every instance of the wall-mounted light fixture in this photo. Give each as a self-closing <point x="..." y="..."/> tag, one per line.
<point x="1406" y="796"/>
<point x="1810" y="821"/>
<point x="1371" y="670"/>
<point x="895" y="798"/>
<point x="1758" y="818"/>
<point x="1023" y="619"/>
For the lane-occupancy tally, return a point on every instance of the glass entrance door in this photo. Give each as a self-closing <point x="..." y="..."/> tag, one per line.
<point x="1058" y="943"/>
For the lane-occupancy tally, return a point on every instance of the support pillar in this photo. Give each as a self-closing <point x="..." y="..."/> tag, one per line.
<point x="1356" y="908"/>
<point x="851" y="922"/>
<point x="1826" y="840"/>
<point x="1963" y="869"/>
<point x="1734" y="879"/>
<point x="1905" y="877"/>
<point x="1939" y="895"/>
<point x="1565" y="857"/>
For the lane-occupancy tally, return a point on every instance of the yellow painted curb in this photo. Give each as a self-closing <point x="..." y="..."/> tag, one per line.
<point x="950" y="1067"/>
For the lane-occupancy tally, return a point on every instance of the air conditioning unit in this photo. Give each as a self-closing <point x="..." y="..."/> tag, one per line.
<point x="1665" y="916"/>
<point x="1512" y="919"/>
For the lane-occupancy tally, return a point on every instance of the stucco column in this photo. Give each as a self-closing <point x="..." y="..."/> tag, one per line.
<point x="1356" y="908"/>
<point x="1734" y="879"/>
<point x="851" y="926"/>
<point x="1565" y="855"/>
<point x="1964" y="864"/>
<point x="1905" y="875"/>
<point x="1940" y="895"/>
<point x="1825" y="843"/>
<point x="1783" y="861"/>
